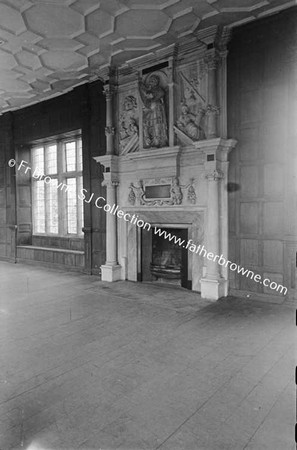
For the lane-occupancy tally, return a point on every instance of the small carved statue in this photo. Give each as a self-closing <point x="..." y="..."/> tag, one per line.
<point x="191" y="193"/>
<point x="136" y="194"/>
<point x="131" y="196"/>
<point x="154" y="115"/>
<point x="139" y="193"/>
<point x="176" y="192"/>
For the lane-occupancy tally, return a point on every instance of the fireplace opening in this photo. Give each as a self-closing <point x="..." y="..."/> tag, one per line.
<point x="162" y="259"/>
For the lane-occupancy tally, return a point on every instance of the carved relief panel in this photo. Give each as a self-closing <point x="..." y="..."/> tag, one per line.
<point x="175" y="102"/>
<point x="128" y="123"/>
<point x="191" y="102"/>
<point x="161" y="191"/>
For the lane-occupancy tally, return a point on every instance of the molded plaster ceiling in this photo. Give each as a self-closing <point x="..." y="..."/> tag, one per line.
<point x="49" y="46"/>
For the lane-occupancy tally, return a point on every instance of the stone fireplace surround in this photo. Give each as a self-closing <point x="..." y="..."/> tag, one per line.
<point x="204" y="167"/>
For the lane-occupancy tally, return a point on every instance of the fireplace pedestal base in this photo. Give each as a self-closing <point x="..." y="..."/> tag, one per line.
<point x="214" y="289"/>
<point x="110" y="273"/>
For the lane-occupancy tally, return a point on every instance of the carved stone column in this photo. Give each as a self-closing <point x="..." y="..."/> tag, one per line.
<point x="111" y="270"/>
<point x="213" y="180"/>
<point x="212" y="60"/>
<point x="212" y="284"/>
<point x="109" y="129"/>
<point x="111" y="224"/>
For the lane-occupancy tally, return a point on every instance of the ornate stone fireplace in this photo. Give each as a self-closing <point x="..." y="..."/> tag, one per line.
<point x="167" y="167"/>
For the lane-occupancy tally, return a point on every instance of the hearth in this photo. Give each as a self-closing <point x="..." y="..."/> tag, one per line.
<point x="162" y="259"/>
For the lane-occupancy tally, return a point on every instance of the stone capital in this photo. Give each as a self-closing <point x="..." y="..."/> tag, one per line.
<point x="110" y="183"/>
<point x="109" y="131"/>
<point x="212" y="59"/>
<point x="212" y="109"/>
<point x="215" y="175"/>
<point x="108" y="91"/>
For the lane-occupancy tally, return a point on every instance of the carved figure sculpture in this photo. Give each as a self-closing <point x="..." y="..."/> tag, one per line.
<point x="154" y="115"/>
<point x="176" y="192"/>
<point x="128" y="129"/>
<point x="189" y="123"/>
<point x="190" y="99"/>
<point x="191" y="193"/>
<point x="136" y="194"/>
<point x="131" y="196"/>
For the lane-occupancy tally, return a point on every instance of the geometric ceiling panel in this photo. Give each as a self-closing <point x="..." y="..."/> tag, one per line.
<point x="28" y="59"/>
<point x="58" y="60"/>
<point x="8" y="74"/>
<point x="86" y="6"/>
<point x="54" y="21"/>
<point x="28" y="37"/>
<point x="7" y="61"/>
<point x="47" y="46"/>
<point x="14" y="85"/>
<point x="114" y="7"/>
<point x="59" y="44"/>
<point x="140" y="23"/>
<point x="100" y="23"/>
<point x="11" y="19"/>
<point x="199" y="8"/>
<point x="20" y="5"/>
<point x="180" y="25"/>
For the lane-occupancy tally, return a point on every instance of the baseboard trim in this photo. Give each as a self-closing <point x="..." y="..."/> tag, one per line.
<point x="50" y="265"/>
<point x="269" y="298"/>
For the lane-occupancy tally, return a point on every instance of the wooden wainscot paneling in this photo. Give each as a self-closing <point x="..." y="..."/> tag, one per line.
<point x="249" y="218"/>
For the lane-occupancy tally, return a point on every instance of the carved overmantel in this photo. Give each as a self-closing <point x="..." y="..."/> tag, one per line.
<point x="167" y="154"/>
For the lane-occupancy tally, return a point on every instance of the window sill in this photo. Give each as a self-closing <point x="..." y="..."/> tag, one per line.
<point x="52" y="249"/>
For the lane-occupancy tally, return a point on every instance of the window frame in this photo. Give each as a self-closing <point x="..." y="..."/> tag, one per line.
<point x="61" y="176"/>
